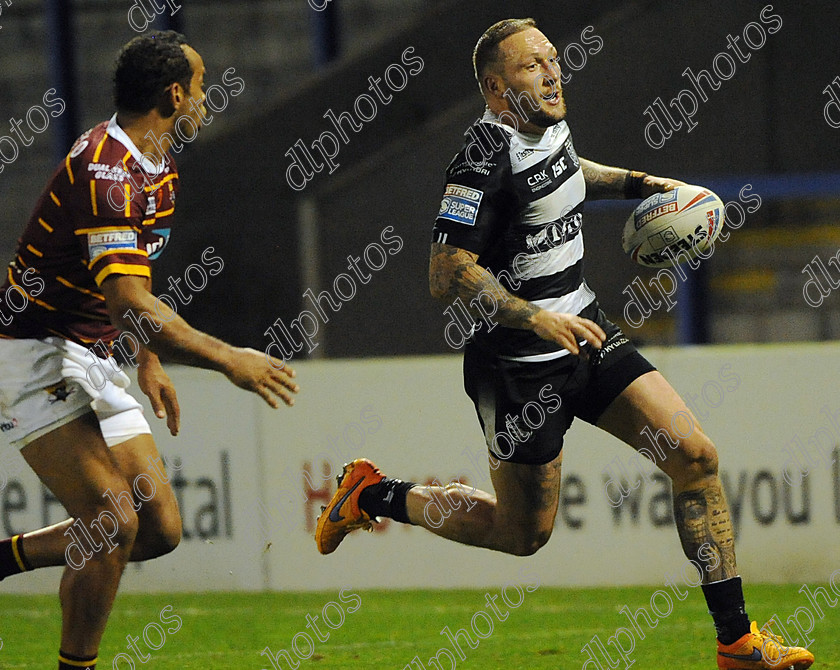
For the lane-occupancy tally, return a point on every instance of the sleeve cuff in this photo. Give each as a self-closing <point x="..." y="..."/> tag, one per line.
<point x="122" y="269"/>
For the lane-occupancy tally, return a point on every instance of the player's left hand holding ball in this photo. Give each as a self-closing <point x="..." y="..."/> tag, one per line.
<point x="653" y="185"/>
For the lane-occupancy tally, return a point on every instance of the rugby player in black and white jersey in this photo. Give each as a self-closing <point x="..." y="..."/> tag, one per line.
<point x="513" y="208"/>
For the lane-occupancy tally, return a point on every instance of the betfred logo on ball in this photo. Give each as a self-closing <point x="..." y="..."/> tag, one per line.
<point x="654" y="206"/>
<point x="673" y="227"/>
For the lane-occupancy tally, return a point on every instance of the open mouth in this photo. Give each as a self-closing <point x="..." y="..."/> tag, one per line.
<point x="552" y="97"/>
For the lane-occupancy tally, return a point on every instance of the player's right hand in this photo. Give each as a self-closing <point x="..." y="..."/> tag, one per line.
<point x="251" y="370"/>
<point x="567" y="329"/>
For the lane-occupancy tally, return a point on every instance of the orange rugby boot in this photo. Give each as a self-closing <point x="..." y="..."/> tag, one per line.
<point x="762" y="651"/>
<point x="343" y="515"/>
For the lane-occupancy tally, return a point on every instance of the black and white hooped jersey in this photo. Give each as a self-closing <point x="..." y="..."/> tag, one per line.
<point x="516" y="200"/>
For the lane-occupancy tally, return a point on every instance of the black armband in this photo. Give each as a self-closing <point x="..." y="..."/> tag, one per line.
<point x="633" y="184"/>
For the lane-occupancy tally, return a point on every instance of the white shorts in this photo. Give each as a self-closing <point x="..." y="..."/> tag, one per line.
<point x="45" y="384"/>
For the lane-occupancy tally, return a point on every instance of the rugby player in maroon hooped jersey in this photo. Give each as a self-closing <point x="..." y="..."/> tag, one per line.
<point x="83" y="263"/>
<point x="519" y="212"/>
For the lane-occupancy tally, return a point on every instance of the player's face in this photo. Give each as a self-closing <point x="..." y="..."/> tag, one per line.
<point x="193" y="105"/>
<point x="530" y="65"/>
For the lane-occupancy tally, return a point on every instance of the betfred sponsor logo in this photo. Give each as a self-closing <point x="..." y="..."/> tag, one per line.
<point x="460" y="204"/>
<point x="463" y="192"/>
<point x="652" y="214"/>
<point x="109" y="241"/>
<point x="112" y="237"/>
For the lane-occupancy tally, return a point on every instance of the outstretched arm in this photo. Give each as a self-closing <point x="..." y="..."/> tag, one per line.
<point x="455" y="273"/>
<point x="603" y="182"/>
<point x="134" y="309"/>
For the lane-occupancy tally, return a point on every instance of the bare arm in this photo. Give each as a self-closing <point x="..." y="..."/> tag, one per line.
<point x="130" y="303"/>
<point x="603" y="182"/>
<point x="133" y="308"/>
<point x="455" y="273"/>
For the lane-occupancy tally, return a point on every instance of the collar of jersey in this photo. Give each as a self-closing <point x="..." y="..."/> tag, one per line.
<point x="120" y="135"/>
<point x="537" y="142"/>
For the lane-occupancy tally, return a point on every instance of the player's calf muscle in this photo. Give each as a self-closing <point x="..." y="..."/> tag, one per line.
<point x="519" y="540"/>
<point x="473" y="517"/>
<point x="439" y="509"/>
<point x="705" y="530"/>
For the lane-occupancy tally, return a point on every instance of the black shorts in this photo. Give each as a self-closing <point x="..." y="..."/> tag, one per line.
<point x="526" y="408"/>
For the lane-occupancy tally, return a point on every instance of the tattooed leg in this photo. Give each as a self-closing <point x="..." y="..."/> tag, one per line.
<point x="518" y="519"/>
<point x="705" y="530"/>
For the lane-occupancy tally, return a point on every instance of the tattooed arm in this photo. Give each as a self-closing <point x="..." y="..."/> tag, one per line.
<point x="604" y="182"/>
<point x="455" y="273"/>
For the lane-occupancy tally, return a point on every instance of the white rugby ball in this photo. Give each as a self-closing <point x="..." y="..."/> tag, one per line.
<point x="678" y="225"/>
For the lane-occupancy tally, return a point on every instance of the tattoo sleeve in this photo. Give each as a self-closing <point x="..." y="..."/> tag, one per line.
<point x="705" y="531"/>
<point x="603" y="182"/>
<point x="454" y="273"/>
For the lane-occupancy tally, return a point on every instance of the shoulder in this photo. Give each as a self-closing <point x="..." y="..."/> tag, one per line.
<point x="97" y="157"/>
<point x="485" y="153"/>
<point x="95" y="150"/>
<point x="98" y="176"/>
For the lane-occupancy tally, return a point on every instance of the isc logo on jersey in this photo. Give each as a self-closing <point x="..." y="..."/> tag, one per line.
<point x="460" y="204"/>
<point x="110" y="240"/>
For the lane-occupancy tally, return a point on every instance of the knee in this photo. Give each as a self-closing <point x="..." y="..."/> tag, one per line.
<point x="164" y="536"/>
<point x="127" y="531"/>
<point x="169" y="535"/>
<point x="700" y="458"/>
<point x="116" y="534"/>
<point x="527" y="544"/>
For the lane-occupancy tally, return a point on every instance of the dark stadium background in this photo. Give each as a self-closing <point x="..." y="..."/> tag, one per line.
<point x="248" y="571"/>
<point x="763" y="127"/>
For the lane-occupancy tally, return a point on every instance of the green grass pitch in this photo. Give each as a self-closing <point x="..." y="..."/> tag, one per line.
<point x="390" y="628"/>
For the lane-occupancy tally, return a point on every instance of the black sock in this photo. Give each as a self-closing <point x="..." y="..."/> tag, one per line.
<point x="726" y="605"/>
<point x="12" y="559"/>
<point x="71" y="662"/>
<point x="387" y="498"/>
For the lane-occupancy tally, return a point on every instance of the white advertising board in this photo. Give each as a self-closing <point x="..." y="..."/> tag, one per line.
<point x="252" y="480"/>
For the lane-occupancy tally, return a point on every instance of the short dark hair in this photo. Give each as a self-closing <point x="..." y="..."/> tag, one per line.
<point x="486" y="50"/>
<point x="146" y="67"/>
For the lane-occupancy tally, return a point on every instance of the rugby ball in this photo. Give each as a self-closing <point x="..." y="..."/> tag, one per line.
<point x="674" y="226"/>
